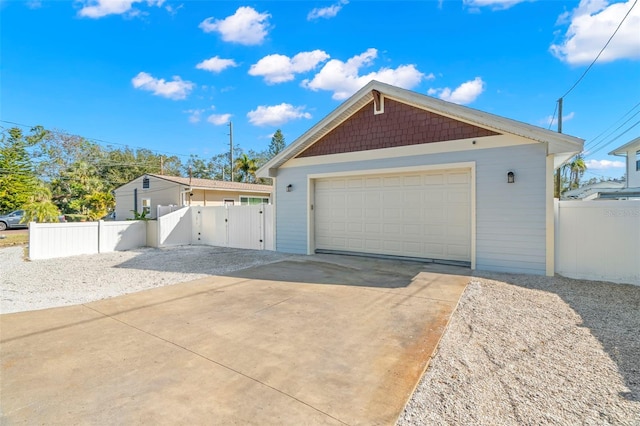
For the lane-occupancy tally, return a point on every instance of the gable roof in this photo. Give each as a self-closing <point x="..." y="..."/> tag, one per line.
<point x="222" y="185"/>
<point x="564" y="146"/>
<point x="622" y="150"/>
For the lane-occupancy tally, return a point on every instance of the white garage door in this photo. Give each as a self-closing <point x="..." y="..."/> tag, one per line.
<point x="424" y="214"/>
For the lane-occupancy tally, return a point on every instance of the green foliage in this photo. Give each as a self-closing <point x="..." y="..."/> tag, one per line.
<point x="76" y="217"/>
<point x="571" y="173"/>
<point x="277" y="144"/>
<point x="18" y="179"/>
<point x="139" y="216"/>
<point x="245" y="167"/>
<point x="40" y="211"/>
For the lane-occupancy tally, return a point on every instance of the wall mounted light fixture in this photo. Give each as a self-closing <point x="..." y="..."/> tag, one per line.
<point x="511" y="177"/>
<point x="289" y="188"/>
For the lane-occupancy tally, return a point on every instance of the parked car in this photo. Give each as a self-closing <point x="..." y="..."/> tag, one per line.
<point x="13" y="220"/>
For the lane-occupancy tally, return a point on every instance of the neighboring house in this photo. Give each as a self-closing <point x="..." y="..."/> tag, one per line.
<point x="592" y="191"/>
<point x="393" y="172"/>
<point x="631" y="189"/>
<point x="149" y="191"/>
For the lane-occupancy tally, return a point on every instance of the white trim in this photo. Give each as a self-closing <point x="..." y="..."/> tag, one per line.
<point x="390" y="170"/>
<point x="558" y="142"/>
<point x="550" y="217"/>
<point x="311" y="212"/>
<point x="412" y="150"/>
<point x="471" y="165"/>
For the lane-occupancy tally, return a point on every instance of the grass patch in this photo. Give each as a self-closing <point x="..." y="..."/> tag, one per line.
<point x="14" y="239"/>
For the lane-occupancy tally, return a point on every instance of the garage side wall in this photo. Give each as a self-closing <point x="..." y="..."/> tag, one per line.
<point x="510" y="218"/>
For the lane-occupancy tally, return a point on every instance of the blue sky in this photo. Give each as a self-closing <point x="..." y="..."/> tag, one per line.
<point x="169" y="75"/>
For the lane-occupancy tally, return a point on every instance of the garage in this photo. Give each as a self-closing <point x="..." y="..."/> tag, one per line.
<point x="419" y="214"/>
<point x="398" y="173"/>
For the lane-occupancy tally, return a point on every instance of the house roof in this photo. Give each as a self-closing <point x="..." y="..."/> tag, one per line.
<point x="564" y="146"/>
<point x="221" y="185"/>
<point x="622" y="150"/>
<point x="591" y="189"/>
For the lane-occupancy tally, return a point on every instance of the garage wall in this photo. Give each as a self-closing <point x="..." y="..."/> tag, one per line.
<point x="510" y="218"/>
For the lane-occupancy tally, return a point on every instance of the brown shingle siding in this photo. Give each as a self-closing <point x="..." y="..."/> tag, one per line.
<point x="399" y="125"/>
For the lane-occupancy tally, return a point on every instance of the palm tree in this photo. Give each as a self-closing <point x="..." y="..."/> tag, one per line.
<point x="577" y="169"/>
<point x="246" y="166"/>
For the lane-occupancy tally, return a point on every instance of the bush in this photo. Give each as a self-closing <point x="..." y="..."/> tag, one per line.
<point x="76" y="217"/>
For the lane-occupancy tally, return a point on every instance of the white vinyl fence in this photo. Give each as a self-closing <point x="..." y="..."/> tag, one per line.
<point x="598" y="240"/>
<point x="51" y="240"/>
<point x="248" y="227"/>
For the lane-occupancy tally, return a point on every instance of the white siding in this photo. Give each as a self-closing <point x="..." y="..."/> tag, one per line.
<point x="510" y="218"/>
<point x="160" y="192"/>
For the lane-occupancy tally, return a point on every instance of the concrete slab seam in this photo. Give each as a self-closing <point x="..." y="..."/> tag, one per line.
<point x="217" y="363"/>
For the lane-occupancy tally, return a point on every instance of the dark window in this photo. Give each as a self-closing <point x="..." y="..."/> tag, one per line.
<point x="145" y="183"/>
<point x="638" y="166"/>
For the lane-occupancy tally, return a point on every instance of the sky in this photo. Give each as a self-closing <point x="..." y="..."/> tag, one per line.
<point x="169" y="75"/>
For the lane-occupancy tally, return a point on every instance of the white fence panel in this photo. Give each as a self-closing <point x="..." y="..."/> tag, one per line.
<point x="163" y="210"/>
<point x="51" y="240"/>
<point x="211" y="226"/>
<point x="269" y="228"/>
<point x="152" y="233"/>
<point x="117" y="236"/>
<point x="246" y="227"/>
<point x="174" y="229"/>
<point x="598" y="240"/>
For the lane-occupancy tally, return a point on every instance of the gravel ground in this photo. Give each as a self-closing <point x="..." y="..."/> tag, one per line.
<point x="530" y="350"/>
<point x="50" y="283"/>
<point x="520" y="350"/>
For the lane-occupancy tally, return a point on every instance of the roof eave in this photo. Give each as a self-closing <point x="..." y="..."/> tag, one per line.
<point x="559" y="143"/>
<point x="621" y="151"/>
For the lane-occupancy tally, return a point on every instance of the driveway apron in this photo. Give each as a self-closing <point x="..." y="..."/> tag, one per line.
<point x="318" y="340"/>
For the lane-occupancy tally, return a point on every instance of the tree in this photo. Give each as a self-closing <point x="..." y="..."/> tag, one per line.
<point x="246" y="168"/>
<point x="277" y="144"/>
<point x="18" y="180"/>
<point x="40" y="208"/>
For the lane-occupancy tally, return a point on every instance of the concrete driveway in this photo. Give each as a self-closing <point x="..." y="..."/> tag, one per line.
<point x="322" y="340"/>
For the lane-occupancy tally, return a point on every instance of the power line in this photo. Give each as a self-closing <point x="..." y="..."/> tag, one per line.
<point x="616" y="122"/>
<point x="599" y="144"/>
<point x="600" y="53"/>
<point x="616" y="138"/>
<point x="99" y="141"/>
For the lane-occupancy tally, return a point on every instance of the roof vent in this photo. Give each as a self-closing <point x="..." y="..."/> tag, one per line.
<point x="378" y="102"/>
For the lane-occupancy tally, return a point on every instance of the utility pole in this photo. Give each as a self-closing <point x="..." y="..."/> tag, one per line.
<point x="558" y="177"/>
<point x="161" y="165"/>
<point x="560" y="115"/>
<point x="231" y="148"/>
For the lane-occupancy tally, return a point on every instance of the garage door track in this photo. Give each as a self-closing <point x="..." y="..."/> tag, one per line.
<point x="316" y="340"/>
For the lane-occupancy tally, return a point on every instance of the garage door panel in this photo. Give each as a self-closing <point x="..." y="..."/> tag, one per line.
<point x="425" y="214"/>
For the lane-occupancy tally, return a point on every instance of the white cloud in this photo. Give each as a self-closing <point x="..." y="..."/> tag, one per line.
<point x="344" y="80"/>
<point x="34" y="4"/>
<point x="194" y="115"/>
<point x="174" y="89"/>
<point x="246" y="26"/>
<point x="216" y="64"/>
<point x="100" y="8"/>
<point x="591" y="24"/>
<point x="326" y="12"/>
<point x="605" y="164"/>
<point x="493" y="4"/>
<point x="464" y="94"/>
<point x="280" y="68"/>
<point x="552" y="121"/>
<point x="219" y="119"/>
<point x="276" y="115"/>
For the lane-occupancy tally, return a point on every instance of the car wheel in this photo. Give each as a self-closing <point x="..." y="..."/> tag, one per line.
<point x="3" y="226"/>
